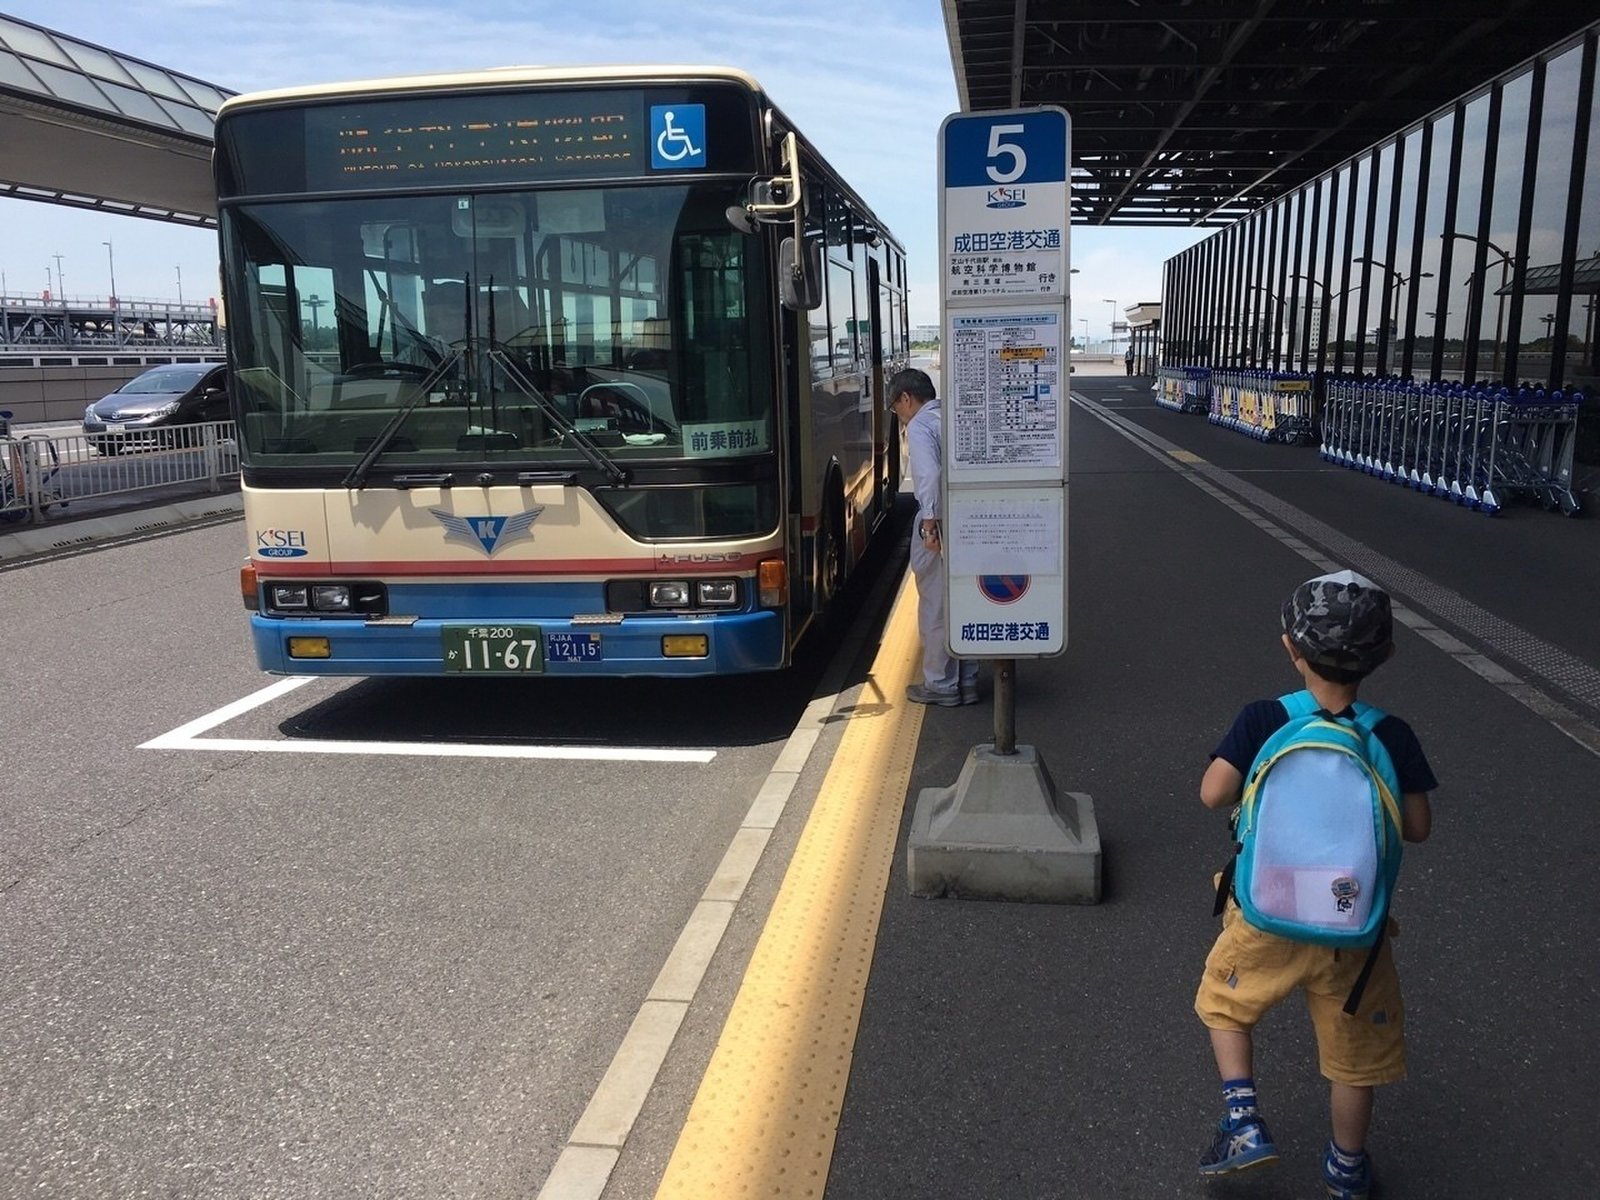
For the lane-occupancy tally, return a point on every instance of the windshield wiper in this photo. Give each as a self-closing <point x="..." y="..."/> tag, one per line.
<point x="358" y="473"/>
<point x="596" y="456"/>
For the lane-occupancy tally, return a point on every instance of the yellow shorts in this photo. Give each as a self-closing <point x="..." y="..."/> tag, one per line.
<point x="1248" y="971"/>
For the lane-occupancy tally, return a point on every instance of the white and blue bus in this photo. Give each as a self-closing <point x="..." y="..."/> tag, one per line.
<point x="574" y="371"/>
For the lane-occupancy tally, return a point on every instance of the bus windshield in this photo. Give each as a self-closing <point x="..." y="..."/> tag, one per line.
<point x="556" y="327"/>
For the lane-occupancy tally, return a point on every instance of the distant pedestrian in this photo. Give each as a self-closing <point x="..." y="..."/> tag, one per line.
<point x="1336" y="629"/>
<point x="1128" y="359"/>
<point x="945" y="681"/>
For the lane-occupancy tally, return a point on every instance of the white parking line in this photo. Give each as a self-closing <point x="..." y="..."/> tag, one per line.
<point x="187" y="737"/>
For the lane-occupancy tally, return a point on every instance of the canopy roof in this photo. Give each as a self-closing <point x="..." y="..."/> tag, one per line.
<point x="1197" y="112"/>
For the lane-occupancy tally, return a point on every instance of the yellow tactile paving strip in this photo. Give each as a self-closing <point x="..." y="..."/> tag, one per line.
<point x="764" y="1119"/>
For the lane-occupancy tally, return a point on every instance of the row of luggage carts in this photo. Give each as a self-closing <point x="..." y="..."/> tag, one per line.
<point x="1184" y="389"/>
<point x="1479" y="446"/>
<point x="1274" y="406"/>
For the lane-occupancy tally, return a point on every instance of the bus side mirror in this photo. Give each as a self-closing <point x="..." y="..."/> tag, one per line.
<point x="800" y="274"/>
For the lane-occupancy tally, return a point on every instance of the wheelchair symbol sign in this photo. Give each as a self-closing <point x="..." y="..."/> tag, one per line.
<point x="677" y="136"/>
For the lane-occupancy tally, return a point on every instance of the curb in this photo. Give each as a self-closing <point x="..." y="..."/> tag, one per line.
<point x="76" y="535"/>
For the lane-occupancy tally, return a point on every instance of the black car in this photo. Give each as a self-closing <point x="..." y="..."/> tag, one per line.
<point x="142" y="411"/>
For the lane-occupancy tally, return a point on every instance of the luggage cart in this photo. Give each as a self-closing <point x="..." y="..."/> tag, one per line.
<point x="1478" y="445"/>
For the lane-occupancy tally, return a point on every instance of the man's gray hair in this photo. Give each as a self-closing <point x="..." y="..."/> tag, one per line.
<point x="913" y="383"/>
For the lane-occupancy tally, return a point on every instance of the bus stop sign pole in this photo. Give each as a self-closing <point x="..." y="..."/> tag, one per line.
<point x="1002" y="831"/>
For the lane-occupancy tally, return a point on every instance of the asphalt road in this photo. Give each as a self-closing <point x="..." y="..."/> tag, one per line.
<point x="268" y="973"/>
<point x="257" y="972"/>
<point x="1016" y="1051"/>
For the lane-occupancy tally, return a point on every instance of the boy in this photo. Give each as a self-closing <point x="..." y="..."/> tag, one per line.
<point x="1337" y="629"/>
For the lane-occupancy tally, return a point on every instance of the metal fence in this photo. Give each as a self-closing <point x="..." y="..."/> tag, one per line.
<point x="1478" y="446"/>
<point x="41" y="475"/>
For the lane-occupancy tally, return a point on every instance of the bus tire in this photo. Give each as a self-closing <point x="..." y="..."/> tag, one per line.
<point x="830" y="547"/>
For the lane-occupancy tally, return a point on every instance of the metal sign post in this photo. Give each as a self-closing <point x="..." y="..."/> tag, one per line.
<point x="1004" y="208"/>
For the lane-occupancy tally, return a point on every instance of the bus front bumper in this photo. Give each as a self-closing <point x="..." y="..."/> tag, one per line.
<point x="736" y="643"/>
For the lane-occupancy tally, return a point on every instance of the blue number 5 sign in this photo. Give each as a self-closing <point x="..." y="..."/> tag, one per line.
<point x="1010" y="148"/>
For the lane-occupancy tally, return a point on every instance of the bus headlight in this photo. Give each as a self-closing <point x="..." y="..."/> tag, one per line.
<point x="672" y="593"/>
<point x="357" y="598"/>
<point x="716" y="593"/>
<point x="331" y="597"/>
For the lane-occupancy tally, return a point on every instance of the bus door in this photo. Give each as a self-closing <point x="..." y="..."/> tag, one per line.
<point x="875" y="388"/>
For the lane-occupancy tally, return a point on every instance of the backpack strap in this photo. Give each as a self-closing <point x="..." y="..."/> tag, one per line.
<point x="1299" y="704"/>
<point x="1369" y="717"/>
<point x="1360" y="985"/>
<point x="1225" y="884"/>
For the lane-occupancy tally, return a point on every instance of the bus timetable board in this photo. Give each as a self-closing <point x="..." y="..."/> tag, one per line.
<point x="1003" y="218"/>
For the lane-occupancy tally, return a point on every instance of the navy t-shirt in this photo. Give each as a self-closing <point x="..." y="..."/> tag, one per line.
<point x="1260" y="719"/>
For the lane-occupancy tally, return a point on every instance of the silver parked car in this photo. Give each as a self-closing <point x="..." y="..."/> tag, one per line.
<point x="141" y="412"/>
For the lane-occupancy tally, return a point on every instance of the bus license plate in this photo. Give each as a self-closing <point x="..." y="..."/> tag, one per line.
<point x="573" y="647"/>
<point x="497" y="649"/>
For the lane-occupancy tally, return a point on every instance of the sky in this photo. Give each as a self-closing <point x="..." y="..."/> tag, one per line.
<point x="869" y="83"/>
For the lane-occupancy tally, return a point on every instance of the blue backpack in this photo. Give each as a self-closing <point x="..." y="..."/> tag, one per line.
<point x="1317" y="840"/>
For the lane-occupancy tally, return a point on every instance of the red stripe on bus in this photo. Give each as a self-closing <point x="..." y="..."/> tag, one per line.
<point x="266" y="569"/>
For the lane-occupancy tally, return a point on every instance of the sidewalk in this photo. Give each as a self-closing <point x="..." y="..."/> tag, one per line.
<point x="1011" y="1050"/>
<point x="104" y="518"/>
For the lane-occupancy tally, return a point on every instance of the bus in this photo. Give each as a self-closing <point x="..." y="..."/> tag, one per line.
<point x="564" y="371"/>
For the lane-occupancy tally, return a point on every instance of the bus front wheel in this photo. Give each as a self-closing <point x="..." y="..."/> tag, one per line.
<point x="830" y="551"/>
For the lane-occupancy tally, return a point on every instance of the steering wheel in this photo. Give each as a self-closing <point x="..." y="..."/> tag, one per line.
<point x="383" y="366"/>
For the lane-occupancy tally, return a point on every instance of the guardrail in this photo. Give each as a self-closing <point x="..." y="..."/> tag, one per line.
<point x="41" y="474"/>
<point x="1478" y="446"/>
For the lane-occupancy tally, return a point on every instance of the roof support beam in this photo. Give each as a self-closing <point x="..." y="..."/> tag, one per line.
<point x="1240" y="37"/>
<point x="1019" y="37"/>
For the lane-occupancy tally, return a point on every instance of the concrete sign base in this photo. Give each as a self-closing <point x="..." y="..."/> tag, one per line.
<point x="1002" y="833"/>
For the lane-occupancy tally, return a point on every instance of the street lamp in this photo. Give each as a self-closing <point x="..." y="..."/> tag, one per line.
<point x="111" y="259"/>
<point x="1113" y="304"/>
<point x="61" y="280"/>
<point x="1279" y="300"/>
<point x="1399" y="281"/>
<point x="180" y="285"/>
<point x="1500" y="303"/>
<point x="1085" y="322"/>
<point x="315" y="302"/>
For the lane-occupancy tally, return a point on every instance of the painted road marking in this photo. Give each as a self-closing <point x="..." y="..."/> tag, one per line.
<point x="765" y="1117"/>
<point x="595" y="1145"/>
<point x="187" y="737"/>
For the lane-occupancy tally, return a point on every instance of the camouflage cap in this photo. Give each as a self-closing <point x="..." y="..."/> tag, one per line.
<point x="1340" y="620"/>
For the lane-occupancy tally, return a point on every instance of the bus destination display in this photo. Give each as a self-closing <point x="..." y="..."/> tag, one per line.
<point x="475" y="139"/>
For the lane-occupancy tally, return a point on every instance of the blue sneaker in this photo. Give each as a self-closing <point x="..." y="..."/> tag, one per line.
<point x="1237" y="1148"/>
<point x="1347" y="1185"/>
